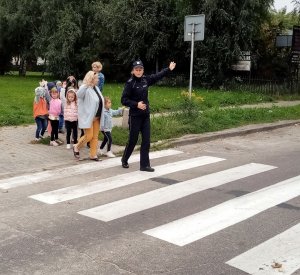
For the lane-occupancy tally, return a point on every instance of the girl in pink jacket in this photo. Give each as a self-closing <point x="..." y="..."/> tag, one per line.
<point x="55" y="108"/>
<point x="71" y="116"/>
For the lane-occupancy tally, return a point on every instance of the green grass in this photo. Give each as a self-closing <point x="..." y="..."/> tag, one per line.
<point x="16" y="98"/>
<point x="210" y="120"/>
<point x="195" y="116"/>
<point x="17" y="93"/>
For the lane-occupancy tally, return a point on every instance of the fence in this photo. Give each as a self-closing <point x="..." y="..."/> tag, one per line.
<point x="266" y="86"/>
<point x="249" y="84"/>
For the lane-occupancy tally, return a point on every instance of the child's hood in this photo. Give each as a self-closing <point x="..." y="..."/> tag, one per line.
<point x="39" y="92"/>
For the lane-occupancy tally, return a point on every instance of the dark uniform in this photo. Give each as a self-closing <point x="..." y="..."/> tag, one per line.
<point x="136" y="90"/>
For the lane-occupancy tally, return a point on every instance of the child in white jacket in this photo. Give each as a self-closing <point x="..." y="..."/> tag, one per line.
<point x="107" y="126"/>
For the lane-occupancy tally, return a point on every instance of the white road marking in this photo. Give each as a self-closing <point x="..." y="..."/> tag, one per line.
<point x="98" y="186"/>
<point x="212" y="220"/>
<point x="283" y="249"/>
<point x="121" y="208"/>
<point x="76" y="170"/>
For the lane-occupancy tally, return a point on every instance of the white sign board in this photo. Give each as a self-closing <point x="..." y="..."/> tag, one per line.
<point x="244" y="63"/>
<point x="199" y="24"/>
<point x="242" y="66"/>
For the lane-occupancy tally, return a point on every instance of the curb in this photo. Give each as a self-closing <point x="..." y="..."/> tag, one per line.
<point x="240" y="131"/>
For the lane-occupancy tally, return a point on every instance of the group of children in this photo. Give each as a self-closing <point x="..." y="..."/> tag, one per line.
<point x="55" y="104"/>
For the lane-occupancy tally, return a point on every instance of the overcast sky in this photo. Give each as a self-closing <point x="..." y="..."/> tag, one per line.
<point x="279" y="4"/>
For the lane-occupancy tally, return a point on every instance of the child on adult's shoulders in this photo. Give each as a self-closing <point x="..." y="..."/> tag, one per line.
<point x="97" y="68"/>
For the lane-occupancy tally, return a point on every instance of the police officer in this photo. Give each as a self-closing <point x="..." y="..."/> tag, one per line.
<point x="135" y="96"/>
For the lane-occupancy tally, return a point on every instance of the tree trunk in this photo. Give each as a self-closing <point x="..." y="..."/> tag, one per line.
<point x="22" y="67"/>
<point x="4" y="62"/>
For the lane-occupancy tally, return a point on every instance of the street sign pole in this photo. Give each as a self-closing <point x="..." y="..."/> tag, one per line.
<point x="193" y="31"/>
<point x="192" y="60"/>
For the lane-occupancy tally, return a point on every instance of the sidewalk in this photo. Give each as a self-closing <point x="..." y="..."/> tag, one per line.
<point x="19" y="156"/>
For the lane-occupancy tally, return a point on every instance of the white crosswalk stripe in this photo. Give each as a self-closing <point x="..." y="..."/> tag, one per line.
<point x="283" y="250"/>
<point x="285" y="246"/>
<point x="76" y="170"/>
<point x="202" y="224"/>
<point x="102" y="185"/>
<point x="164" y="195"/>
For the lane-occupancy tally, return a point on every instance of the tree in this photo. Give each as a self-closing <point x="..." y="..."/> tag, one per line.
<point x="17" y="28"/>
<point x="230" y="28"/>
<point x="70" y="36"/>
<point x="144" y="29"/>
<point x="5" y="54"/>
<point x="73" y="33"/>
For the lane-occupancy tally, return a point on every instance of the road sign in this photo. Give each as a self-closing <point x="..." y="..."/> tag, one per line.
<point x="193" y="31"/>
<point x="199" y="22"/>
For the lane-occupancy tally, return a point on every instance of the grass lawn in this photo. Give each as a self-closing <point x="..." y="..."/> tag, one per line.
<point x="17" y="93"/>
<point x="202" y="114"/>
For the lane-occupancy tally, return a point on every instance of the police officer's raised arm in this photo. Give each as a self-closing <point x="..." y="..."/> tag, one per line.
<point x="152" y="79"/>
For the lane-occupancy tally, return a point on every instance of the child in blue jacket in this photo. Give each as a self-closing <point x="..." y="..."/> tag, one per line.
<point x="107" y="126"/>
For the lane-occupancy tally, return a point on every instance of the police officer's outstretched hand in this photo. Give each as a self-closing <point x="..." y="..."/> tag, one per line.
<point x="172" y="66"/>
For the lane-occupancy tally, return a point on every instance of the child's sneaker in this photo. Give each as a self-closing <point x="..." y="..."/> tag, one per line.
<point x="68" y="146"/>
<point x="110" y="154"/>
<point x="100" y="152"/>
<point x="53" y="143"/>
<point x="37" y="139"/>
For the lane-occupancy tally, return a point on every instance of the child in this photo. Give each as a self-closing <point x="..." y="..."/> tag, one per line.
<point x="107" y="127"/>
<point x="61" y="116"/>
<point x="71" y="116"/>
<point x="97" y="68"/>
<point x="55" y="107"/>
<point x="40" y="112"/>
<point x="71" y="82"/>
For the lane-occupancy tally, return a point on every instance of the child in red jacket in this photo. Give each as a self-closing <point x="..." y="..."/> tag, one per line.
<point x="40" y="112"/>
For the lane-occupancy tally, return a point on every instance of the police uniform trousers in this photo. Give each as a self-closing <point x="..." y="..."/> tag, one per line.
<point x="137" y="124"/>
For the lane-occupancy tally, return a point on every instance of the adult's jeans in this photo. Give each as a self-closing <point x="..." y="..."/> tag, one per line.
<point x="61" y="122"/>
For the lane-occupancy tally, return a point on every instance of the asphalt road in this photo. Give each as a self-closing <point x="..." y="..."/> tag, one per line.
<point x="224" y="198"/>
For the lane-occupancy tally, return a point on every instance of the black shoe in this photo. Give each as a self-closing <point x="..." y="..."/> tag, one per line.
<point x="147" y="169"/>
<point x="125" y="164"/>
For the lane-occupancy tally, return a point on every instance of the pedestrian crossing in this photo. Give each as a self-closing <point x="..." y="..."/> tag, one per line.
<point x="82" y="190"/>
<point x="187" y="229"/>
<point x="118" y="209"/>
<point x="75" y="170"/>
<point x="194" y="227"/>
<point x="285" y="248"/>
